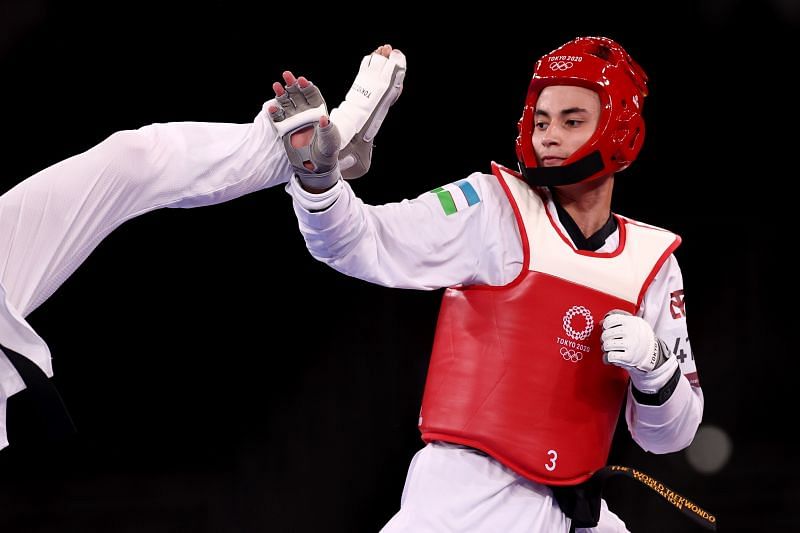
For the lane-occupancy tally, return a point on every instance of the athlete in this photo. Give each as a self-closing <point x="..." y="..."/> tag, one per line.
<point x="50" y="222"/>
<point x="556" y="310"/>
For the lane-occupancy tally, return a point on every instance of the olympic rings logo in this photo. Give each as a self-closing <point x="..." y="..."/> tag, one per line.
<point x="587" y="329"/>
<point x="571" y="355"/>
<point x="561" y="65"/>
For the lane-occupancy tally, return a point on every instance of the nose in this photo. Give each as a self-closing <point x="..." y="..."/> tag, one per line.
<point x="551" y="136"/>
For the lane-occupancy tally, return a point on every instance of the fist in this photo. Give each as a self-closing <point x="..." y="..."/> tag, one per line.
<point x="628" y="341"/>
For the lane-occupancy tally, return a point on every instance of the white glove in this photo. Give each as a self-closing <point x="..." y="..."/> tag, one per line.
<point x="629" y="342"/>
<point x="298" y="108"/>
<point x="359" y="117"/>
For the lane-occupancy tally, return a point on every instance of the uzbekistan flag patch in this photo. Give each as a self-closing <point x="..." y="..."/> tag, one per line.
<point x="456" y="196"/>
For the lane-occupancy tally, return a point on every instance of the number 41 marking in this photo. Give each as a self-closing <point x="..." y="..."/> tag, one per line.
<point x="680" y="355"/>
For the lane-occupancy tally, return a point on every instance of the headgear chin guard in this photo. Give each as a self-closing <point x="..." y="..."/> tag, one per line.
<point x="602" y="65"/>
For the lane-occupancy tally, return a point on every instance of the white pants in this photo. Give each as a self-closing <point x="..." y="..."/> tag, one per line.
<point x="451" y="488"/>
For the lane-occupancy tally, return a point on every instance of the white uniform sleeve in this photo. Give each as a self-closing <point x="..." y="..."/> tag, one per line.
<point x="50" y="222"/>
<point x="669" y="427"/>
<point x="462" y="233"/>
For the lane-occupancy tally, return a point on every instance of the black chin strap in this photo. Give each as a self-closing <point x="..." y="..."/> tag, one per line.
<point x="47" y="401"/>
<point x="564" y="174"/>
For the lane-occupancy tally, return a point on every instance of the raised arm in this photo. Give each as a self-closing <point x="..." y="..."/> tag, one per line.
<point x="50" y="222"/>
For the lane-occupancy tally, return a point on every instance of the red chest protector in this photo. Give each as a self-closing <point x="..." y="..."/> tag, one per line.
<point x="517" y="370"/>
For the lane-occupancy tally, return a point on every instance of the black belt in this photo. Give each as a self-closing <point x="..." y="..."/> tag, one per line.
<point x="581" y="503"/>
<point x="58" y="424"/>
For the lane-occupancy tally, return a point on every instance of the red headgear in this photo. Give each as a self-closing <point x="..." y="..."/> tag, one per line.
<point x="602" y="65"/>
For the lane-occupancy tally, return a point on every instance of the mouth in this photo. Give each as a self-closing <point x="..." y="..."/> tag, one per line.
<point x="552" y="161"/>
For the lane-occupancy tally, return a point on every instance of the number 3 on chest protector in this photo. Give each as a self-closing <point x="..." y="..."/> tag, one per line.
<point x="553" y="456"/>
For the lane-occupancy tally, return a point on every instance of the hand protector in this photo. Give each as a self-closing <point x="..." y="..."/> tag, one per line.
<point x="629" y="342"/>
<point x="297" y="109"/>
<point x="359" y="117"/>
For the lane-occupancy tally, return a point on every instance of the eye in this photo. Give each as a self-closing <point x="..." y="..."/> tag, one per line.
<point x="540" y="125"/>
<point x="573" y="122"/>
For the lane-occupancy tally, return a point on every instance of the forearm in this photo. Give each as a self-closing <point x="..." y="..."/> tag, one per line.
<point x="668" y="427"/>
<point x="336" y="228"/>
<point x="394" y="245"/>
<point x="669" y="423"/>
<point x="192" y="164"/>
<point x="50" y="222"/>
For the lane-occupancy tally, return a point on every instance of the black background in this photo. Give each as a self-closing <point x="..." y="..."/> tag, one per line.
<point x="224" y="381"/>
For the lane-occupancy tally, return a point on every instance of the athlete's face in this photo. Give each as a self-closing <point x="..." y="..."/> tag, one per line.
<point x="565" y="118"/>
